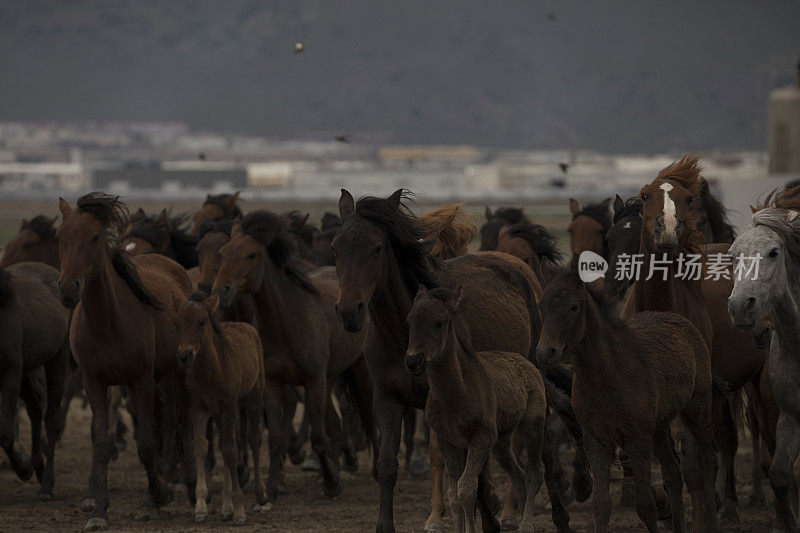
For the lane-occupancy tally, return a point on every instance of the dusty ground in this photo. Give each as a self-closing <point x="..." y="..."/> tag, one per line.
<point x="302" y="508"/>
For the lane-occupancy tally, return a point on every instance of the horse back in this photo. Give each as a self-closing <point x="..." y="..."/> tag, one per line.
<point x="159" y="272"/>
<point x="244" y="356"/>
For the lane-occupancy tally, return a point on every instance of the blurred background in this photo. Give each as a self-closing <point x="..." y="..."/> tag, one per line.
<point x="513" y="102"/>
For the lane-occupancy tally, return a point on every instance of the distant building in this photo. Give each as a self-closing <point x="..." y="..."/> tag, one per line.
<point x="37" y="177"/>
<point x="172" y="177"/>
<point x="783" y="128"/>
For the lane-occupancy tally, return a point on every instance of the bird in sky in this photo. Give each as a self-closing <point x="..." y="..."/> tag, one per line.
<point x="563" y="167"/>
<point x="551" y="17"/>
<point x="342" y="138"/>
<point x="300" y="46"/>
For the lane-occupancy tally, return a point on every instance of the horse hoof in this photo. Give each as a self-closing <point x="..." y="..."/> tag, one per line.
<point x="96" y="524"/>
<point x="25" y="472"/>
<point x="332" y="492"/>
<point x="582" y="486"/>
<point x="508" y="524"/>
<point x="226" y="516"/>
<point x="200" y="517"/>
<point x="146" y="513"/>
<point x="263" y="507"/>
<point x="180" y="488"/>
<point x="297" y="457"/>
<point x="240" y="521"/>
<point x="311" y="464"/>
<point x="88" y="505"/>
<point x="434" y="528"/>
<point x="350" y="463"/>
<point x="419" y="467"/>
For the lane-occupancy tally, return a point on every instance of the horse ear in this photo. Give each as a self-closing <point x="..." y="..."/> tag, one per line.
<point x="305" y="219"/>
<point x="573" y="265"/>
<point x="64" y="207"/>
<point x="232" y="199"/>
<point x="606" y="204"/>
<point x="346" y="205"/>
<point x="548" y="270"/>
<point x="211" y="304"/>
<point x="396" y="197"/>
<point x="488" y="213"/>
<point x="618" y="204"/>
<point x="162" y="216"/>
<point x="236" y="229"/>
<point x="574" y="206"/>
<point x="176" y="302"/>
<point x="753" y="208"/>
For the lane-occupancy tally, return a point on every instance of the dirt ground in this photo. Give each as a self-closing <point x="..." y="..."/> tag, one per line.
<point x="302" y="508"/>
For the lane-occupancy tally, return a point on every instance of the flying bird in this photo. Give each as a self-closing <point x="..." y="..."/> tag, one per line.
<point x="300" y="46"/>
<point x="201" y="156"/>
<point x="342" y="138"/>
<point x="552" y="17"/>
<point x="563" y="167"/>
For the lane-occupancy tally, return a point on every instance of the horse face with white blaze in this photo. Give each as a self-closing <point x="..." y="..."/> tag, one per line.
<point x="666" y="205"/>
<point x="770" y="240"/>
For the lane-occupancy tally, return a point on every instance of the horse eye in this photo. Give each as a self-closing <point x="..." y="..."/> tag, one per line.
<point x="202" y="322"/>
<point x="96" y="238"/>
<point x="689" y="200"/>
<point x="645" y="197"/>
<point x="439" y="323"/>
<point x="773" y="253"/>
<point x="378" y="249"/>
<point x="574" y="307"/>
<point x="252" y="256"/>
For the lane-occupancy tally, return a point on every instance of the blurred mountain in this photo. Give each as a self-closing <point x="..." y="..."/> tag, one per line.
<point x="612" y="75"/>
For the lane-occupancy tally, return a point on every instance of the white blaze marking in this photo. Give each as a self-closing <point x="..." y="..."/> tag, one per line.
<point x="130" y="246"/>
<point x="627" y="225"/>
<point x="792" y="215"/>
<point x="670" y="221"/>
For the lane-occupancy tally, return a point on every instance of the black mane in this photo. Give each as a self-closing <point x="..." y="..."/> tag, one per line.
<point x="41" y="226"/>
<point x="155" y="229"/>
<point x="221" y="201"/>
<point x="330" y="222"/>
<point x="6" y="293"/>
<point x="512" y="215"/>
<point x="406" y="234"/>
<point x="721" y="228"/>
<point x="273" y="232"/>
<point x="220" y="226"/>
<point x="597" y="212"/>
<point x="112" y="214"/>
<point x="631" y="209"/>
<point x="542" y="241"/>
<point x="298" y="224"/>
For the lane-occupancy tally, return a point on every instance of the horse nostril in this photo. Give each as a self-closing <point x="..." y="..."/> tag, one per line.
<point x="226" y="289"/>
<point x="336" y="308"/>
<point x="751" y="302"/>
<point x="359" y="307"/>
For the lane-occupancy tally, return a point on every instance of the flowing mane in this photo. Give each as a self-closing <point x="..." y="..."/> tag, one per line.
<point x="779" y="212"/>
<point x="41" y="226"/>
<point x="686" y="172"/>
<point x="597" y="212"/>
<point x="452" y="226"/>
<point x="112" y="214"/>
<point x="298" y="224"/>
<point x="407" y="237"/>
<point x="512" y="215"/>
<point x="220" y="226"/>
<point x="272" y="231"/>
<point x="542" y="241"/>
<point x="721" y="228"/>
<point x="223" y="202"/>
<point x="631" y="209"/>
<point x="154" y="229"/>
<point x="330" y="222"/>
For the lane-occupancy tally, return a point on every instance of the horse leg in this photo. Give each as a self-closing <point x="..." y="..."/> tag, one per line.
<point x="640" y="452"/>
<point x="277" y="435"/>
<point x="159" y="495"/>
<point x="102" y="448"/>
<point x="559" y="510"/>
<point x="535" y="437"/>
<point x="317" y="398"/>
<point x="781" y="470"/>
<point x="434" y="521"/>
<point x="728" y="443"/>
<point x="55" y="370"/>
<point x="409" y="426"/>
<point x="390" y="419"/>
<point x="508" y="514"/>
<point x="333" y="427"/>
<point x="599" y="457"/>
<point x="477" y="453"/>
<point x="454" y="460"/>
<point x="232" y="500"/>
<point x="508" y="462"/>
<point x="362" y="383"/>
<point x="242" y="468"/>
<point x="754" y="406"/>
<point x="199" y="421"/>
<point x="211" y="459"/>
<point x="254" y="406"/>
<point x="554" y="429"/>
<point x="671" y="475"/>
<point x="700" y="463"/>
<point x="419" y="464"/>
<point x="34" y="408"/>
<point x="297" y="439"/>
<point x="10" y="389"/>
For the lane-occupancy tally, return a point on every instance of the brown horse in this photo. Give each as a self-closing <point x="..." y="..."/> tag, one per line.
<point x="33" y="334"/>
<point x="669" y="229"/>
<point x="631" y="379"/>
<point x="476" y="402"/>
<point x="36" y="241"/>
<point x="303" y="344"/>
<point x="163" y="235"/>
<point x="216" y="208"/>
<point x="303" y="232"/>
<point x="589" y="226"/>
<point x="451" y="231"/>
<point x="497" y="220"/>
<point x="531" y="243"/>
<point x="224" y="367"/>
<point x="381" y="260"/>
<point x="321" y="251"/>
<point x="121" y="334"/>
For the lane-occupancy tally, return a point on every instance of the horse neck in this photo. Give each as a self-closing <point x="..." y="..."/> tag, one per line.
<point x="100" y="299"/>
<point x="270" y="305"/>
<point x="389" y="307"/>
<point x="785" y="309"/>
<point x="446" y="376"/>
<point x="593" y="360"/>
<point x="211" y="359"/>
<point x="655" y="294"/>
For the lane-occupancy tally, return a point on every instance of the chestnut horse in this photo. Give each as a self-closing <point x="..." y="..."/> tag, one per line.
<point x="669" y="230"/>
<point x="451" y="231"/>
<point x="36" y="241"/>
<point x="302" y="342"/>
<point x="33" y="334"/>
<point x="121" y="334"/>
<point x="589" y="226"/>
<point x="529" y="242"/>
<point x="216" y="208"/>
<point x="381" y="261"/>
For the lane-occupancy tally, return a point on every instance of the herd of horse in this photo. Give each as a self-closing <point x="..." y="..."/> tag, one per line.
<point x="220" y="323"/>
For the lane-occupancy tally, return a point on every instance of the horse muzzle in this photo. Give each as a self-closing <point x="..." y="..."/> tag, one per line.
<point x="226" y="294"/>
<point x="547" y="355"/>
<point x="70" y="293"/>
<point x="415" y="363"/>
<point x="743" y="311"/>
<point x="186" y="357"/>
<point x="352" y="317"/>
